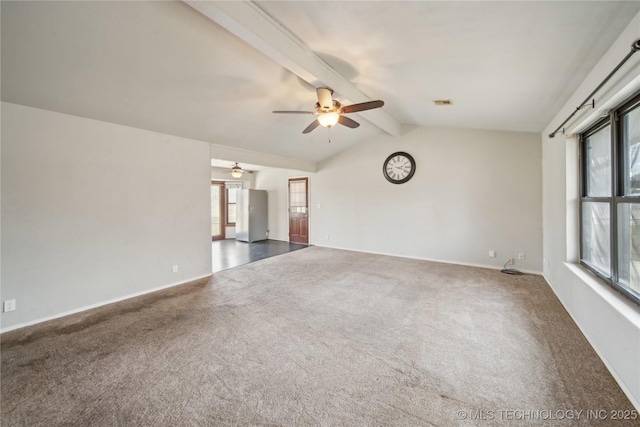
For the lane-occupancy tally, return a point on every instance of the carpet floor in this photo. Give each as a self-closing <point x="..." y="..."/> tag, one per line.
<point x="316" y="337"/>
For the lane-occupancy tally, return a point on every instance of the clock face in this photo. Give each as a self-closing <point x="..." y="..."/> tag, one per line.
<point x="399" y="167"/>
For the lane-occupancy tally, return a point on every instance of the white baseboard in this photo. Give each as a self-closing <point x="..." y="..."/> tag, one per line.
<point x="632" y="398"/>
<point x="492" y="267"/>
<point x="99" y="304"/>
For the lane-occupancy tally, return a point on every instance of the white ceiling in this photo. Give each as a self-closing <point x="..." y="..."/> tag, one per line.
<point x="163" y="66"/>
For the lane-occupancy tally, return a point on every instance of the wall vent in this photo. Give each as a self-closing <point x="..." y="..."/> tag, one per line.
<point x="443" y="102"/>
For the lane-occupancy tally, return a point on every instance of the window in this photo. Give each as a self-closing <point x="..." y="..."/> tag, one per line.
<point x="231" y="202"/>
<point x="231" y="206"/>
<point x="217" y="205"/>
<point x="610" y="202"/>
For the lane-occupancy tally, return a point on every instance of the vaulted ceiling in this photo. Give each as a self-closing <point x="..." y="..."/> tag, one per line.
<point x="214" y="71"/>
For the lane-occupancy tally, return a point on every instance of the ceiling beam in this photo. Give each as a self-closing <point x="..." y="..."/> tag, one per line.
<point x="253" y="25"/>
<point x="235" y="154"/>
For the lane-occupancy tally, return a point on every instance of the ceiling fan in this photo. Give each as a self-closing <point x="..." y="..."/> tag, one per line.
<point x="236" y="171"/>
<point x="330" y="111"/>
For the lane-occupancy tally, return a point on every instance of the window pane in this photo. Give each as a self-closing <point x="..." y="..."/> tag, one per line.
<point x="629" y="246"/>
<point x="231" y="213"/>
<point x="231" y="195"/>
<point x="631" y="144"/>
<point x="595" y="236"/>
<point x="298" y="193"/>
<point x="598" y="173"/>
<point x="216" y="223"/>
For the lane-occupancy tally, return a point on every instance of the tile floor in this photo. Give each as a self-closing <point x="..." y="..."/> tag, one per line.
<point x="231" y="253"/>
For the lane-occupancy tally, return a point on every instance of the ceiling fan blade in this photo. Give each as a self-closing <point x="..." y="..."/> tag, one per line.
<point x="348" y="122"/>
<point x="311" y="127"/>
<point x="294" y="112"/>
<point x="362" y="106"/>
<point x="324" y="97"/>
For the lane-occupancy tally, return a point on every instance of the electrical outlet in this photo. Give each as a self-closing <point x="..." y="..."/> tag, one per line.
<point x="510" y="262"/>
<point x="492" y="254"/>
<point x="521" y="256"/>
<point x="175" y="268"/>
<point x="9" y="305"/>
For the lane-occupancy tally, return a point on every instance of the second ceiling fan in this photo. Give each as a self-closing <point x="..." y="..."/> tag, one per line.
<point x="330" y="111"/>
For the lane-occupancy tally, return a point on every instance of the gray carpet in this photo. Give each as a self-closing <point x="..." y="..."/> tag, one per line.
<point x="315" y="337"/>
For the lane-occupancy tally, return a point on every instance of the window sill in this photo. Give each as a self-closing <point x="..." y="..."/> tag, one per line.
<point x="615" y="299"/>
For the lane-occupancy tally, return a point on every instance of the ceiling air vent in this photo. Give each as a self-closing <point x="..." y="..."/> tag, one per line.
<point x="442" y="102"/>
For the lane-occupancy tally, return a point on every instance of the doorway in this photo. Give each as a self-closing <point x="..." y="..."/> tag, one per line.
<point x="217" y="210"/>
<point x="299" y="210"/>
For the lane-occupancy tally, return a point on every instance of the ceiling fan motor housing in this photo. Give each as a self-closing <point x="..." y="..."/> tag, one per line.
<point x="324" y="98"/>
<point x="335" y="107"/>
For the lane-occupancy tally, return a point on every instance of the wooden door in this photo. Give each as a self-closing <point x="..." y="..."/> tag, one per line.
<point x="299" y="210"/>
<point x="217" y="210"/>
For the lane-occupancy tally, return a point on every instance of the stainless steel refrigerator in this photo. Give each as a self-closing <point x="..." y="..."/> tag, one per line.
<point x="251" y="215"/>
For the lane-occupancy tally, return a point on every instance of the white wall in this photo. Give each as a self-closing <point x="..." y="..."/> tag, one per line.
<point x="95" y="212"/>
<point x="610" y="322"/>
<point x="473" y="191"/>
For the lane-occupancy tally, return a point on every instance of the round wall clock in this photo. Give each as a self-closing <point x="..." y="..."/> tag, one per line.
<point x="399" y="167"/>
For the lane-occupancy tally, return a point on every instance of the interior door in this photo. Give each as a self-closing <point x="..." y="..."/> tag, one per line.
<point x="217" y="210"/>
<point x="299" y="210"/>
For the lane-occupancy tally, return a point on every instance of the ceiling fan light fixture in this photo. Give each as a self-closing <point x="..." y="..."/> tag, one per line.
<point x="328" y="119"/>
<point x="329" y="112"/>
<point x="236" y="171"/>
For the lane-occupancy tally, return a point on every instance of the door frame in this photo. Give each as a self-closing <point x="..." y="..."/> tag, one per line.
<point x="223" y="209"/>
